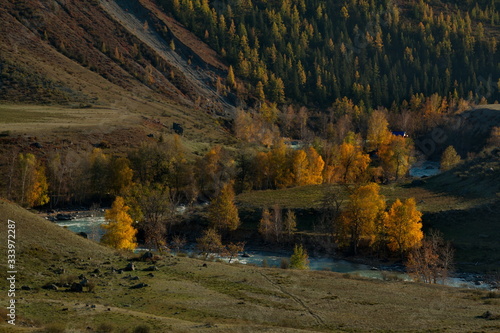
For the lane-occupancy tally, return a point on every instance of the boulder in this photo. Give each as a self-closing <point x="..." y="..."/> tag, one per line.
<point x="151" y="269"/>
<point x="147" y="256"/>
<point x="76" y="287"/>
<point x="50" y="286"/>
<point x="140" y="285"/>
<point x="130" y="267"/>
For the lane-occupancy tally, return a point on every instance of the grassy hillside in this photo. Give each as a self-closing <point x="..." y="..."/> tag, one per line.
<point x="185" y="296"/>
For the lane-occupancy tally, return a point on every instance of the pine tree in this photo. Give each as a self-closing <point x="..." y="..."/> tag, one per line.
<point x="210" y="242"/>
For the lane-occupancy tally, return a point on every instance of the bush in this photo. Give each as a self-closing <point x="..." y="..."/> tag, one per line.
<point x="265" y="263"/>
<point x="142" y="329"/>
<point x="105" y="328"/>
<point x="299" y="258"/>
<point x="390" y="276"/>
<point x="285" y="264"/>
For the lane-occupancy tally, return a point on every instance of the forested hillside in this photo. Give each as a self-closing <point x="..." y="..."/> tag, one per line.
<point x="375" y="52"/>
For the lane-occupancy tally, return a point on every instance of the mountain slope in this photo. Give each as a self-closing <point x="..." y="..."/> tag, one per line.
<point x="39" y="39"/>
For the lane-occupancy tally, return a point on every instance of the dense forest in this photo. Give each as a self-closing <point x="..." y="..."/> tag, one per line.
<point x="375" y="52"/>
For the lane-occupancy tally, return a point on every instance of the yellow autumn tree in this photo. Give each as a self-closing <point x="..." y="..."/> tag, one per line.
<point x="33" y="186"/>
<point x="230" y="79"/>
<point x="120" y="233"/>
<point x="38" y="195"/>
<point x="351" y="163"/>
<point x="403" y="225"/>
<point x="378" y="131"/>
<point x="223" y="213"/>
<point x="396" y="156"/>
<point x="316" y="166"/>
<point x="359" y="219"/>
<point x="300" y="168"/>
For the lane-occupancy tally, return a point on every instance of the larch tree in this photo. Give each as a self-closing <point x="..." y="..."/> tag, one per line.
<point x="230" y="79"/>
<point x="362" y="213"/>
<point x="449" y="159"/>
<point x="289" y="224"/>
<point x="120" y="232"/>
<point x="210" y="242"/>
<point x="223" y="213"/>
<point x="299" y="258"/>
<point x="265" y="227"/>
<point x="403" y="225"/>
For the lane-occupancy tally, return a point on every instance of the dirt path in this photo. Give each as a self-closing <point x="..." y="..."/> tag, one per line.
<point x="133" y="16"/>
<point x="316" y="317"/>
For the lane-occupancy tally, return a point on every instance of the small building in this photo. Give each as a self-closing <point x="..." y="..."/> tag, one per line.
<point x="400" y="133"/>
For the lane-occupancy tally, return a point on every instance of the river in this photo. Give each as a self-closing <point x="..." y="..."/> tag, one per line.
<point x="91" y="226"/>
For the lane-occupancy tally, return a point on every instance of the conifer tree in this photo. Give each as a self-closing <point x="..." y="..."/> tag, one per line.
<point x="223" y="213"/>
<point x="299" y="258"/>
<point x="120" y="233"/>
<point x="231" y="80"/>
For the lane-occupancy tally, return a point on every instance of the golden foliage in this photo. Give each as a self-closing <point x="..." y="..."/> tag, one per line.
<point x="378" y="131"/>
<point x="403" y="224"/>
<point x="358" y="220"/>
<point x="120" y="234"/>
<point x="223" y="213"/>
<point x="396" y="156"/>
<point x="33" y="182"/>
<point x="351" y="163"/>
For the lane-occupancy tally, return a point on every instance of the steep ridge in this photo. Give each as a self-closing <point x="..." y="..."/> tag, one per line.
<point x="142" y="22"/>
<point x="50" y="51"/>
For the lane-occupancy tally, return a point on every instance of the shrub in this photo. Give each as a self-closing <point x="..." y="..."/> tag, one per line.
<point x="299" y="258"/>
<point x="265" y="263"/>
<point x="105" y="328"/>
<point x="284" y="264"/>
<point x="142" y="329"/>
